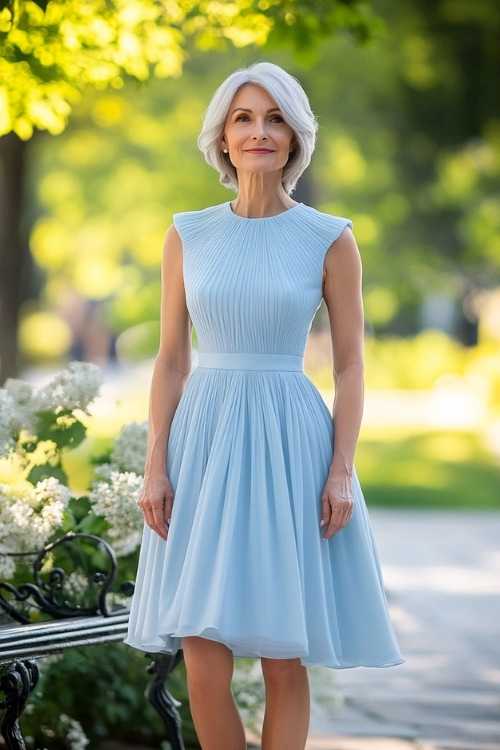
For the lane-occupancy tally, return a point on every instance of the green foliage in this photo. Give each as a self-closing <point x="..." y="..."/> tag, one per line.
<point x="39" y="472"/>
<point x="409" y="149"/>
<point x="63" y="428"/>
<point x="106" y="698"/>
<point x="51" y="51"/>
<point x="419" y="185"/>
<point x="414" y="468"/>
<point x="42" y="453"/>
<point x="413" y="363"/>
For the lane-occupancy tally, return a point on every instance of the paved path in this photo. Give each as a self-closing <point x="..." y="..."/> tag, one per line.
<point x="442" y="573"/>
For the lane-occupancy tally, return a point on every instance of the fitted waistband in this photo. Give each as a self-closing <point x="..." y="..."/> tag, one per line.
<point x="251" y="361"/>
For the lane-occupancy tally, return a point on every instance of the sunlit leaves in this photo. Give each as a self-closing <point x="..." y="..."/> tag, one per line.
<point x="51" y="51"/>
<point x="48" y="58"/>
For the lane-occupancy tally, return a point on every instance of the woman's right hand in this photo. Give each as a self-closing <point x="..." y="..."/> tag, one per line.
<point x="156" y="502"/>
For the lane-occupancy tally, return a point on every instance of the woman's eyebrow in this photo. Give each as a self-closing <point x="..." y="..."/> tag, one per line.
<point x="244" y="109"/>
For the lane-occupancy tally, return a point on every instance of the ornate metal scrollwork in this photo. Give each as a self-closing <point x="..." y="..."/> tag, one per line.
<point x="161" y="668"/>
<point x="17" y="681"/>
<point x="87" y="554"/>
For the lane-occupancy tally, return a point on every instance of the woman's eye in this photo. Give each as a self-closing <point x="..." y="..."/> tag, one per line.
<point x="241" y="118"/>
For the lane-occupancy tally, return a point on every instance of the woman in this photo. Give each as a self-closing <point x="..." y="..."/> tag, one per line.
<point x="257" y="540"/>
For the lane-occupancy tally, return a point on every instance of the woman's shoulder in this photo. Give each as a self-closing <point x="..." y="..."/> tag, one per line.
<point x="199" y="215"/>
<point x="324" y="225"/>
<point x="324" y="219"/>
<point x="189" y="224"/>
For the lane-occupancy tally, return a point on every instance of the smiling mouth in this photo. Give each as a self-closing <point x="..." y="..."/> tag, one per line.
<point x="260" y="151"/>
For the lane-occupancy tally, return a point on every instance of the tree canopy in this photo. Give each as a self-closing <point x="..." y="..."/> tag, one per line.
<point x="52" y="50"/>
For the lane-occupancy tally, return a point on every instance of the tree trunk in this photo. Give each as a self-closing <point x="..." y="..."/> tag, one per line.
<point x="14" y="252"/>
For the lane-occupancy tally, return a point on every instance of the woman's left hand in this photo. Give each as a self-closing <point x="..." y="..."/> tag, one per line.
<point x="336" y="504"/>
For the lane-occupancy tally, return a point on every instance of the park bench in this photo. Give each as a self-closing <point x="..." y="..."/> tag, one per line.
<point x="42" y="617"/>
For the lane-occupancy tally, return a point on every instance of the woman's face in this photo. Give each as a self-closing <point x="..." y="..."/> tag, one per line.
<point x="255" y="134"/>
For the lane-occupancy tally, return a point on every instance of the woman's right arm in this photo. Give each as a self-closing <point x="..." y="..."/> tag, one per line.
<point x="171" y="370"/>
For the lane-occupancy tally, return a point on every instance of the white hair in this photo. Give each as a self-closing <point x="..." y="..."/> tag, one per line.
<point x="295" y="108"/>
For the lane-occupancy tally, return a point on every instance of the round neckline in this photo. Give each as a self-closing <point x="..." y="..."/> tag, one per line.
<point x="260" y="218"/>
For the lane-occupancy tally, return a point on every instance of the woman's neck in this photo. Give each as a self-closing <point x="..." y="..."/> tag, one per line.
<point x="258" y="199"/>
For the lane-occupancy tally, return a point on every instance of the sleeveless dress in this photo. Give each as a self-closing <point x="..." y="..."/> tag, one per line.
<point x="250" y="445"/>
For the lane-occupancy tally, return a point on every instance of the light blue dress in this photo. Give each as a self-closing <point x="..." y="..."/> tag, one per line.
<point x="250" y="445"/>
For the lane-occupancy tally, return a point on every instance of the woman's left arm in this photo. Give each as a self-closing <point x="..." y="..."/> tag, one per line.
<point x="343" y="297"/>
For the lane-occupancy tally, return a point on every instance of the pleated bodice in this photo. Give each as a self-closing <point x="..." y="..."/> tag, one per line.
<point x="257" y="284"/>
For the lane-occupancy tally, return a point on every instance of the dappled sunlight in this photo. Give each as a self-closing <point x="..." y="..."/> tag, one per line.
<point x="52" y="243"/>
<point x="86" y="149"/>
<point x="444" y="407"/>
<point x="419" y="63"/>
<point x="44" y="335"/>
<point x="346" y="161"/>
<point x="451" y="447"/>
<point x="416" y="474"/>
<point x="394" y="208"/>
<point x="367" y="228"/>
<point x="60" y="187"/>
<point x="95" y="277"/>
<point x="380" y="305"/>
<point x="109" y="110"/>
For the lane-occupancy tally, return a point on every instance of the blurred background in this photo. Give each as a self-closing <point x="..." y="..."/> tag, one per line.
<point x="100" y="106"/>
<point x="409" y="148"/>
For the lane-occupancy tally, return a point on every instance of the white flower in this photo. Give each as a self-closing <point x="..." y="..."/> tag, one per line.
<point x="76" y="387"/>
<point x="75" y="585"/>
<point x="28" y="519"/>
<point x="51" y="491"/>
<point x="20" y="529"/>
<point x="7" y="567"/>
<point x="129" y="450"/>
<point x="117" y="503"/>
<point x="23" y="402"/>
<point x="102" y="473"/>
<point x="7" y="418"/>
<point x="73" y="732"/>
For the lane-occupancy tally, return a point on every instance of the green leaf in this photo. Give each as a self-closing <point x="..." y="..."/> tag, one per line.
<point x="80" y="508"/>
<point x="92" y="524"/>
<point x="44" y="471"/>
<point x="63" y="429"/>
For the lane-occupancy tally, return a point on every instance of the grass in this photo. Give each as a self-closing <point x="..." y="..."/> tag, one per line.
<point x="427" y="469"/>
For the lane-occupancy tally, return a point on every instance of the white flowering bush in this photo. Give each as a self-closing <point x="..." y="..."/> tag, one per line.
<point x="129" y="449"/>
<point x="116" y="501"/>
<point x="72" y="731"/>
<point x="37" y="427"/>
<point x="29" y="518"/>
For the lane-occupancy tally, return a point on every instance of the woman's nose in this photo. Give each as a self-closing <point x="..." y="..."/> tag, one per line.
<point x="259" y="129"/>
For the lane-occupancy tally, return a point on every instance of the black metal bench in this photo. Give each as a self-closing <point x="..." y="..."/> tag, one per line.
<point x="41" y="618"/>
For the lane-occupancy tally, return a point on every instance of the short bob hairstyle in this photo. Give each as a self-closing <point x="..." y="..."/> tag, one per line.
<point x="295" y="108"/>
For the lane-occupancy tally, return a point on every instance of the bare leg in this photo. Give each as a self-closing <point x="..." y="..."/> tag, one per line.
<point x="209" y="667"/>
<point x="286" y="720"/>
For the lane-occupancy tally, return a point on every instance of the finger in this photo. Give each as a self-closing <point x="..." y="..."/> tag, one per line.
<point x="160" y="528"/>
<point x="153" y="516"/>
<point x="338" y="518"/>
<point x="338" y="521"/>
<point x="326" y="513"/>
<point x="167" y="509"/>
<point x="333" y="523"/>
